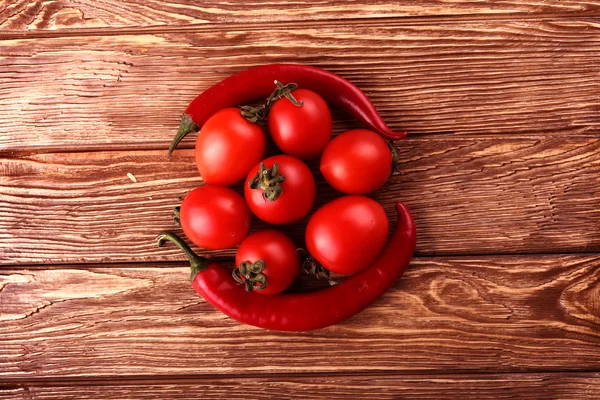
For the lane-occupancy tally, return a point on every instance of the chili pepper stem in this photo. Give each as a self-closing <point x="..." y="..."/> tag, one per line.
<point x="185" y="126"/>
<point x="269" y="180"/>
<point x="197" y="263"/>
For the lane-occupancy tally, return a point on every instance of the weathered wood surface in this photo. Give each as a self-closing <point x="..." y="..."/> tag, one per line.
<point x="32" y="15"/>
<point x="502" y="102"/>
<point x="575" y="386"/>
<point x="128" y="91"/>
<point x="468" y="196"/>
<point x="493" y="314"/>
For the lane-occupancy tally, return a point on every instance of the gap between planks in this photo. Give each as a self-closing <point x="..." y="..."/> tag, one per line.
<point x="428" y="136"/>
<point x="225" y="259"/>
<point x="133" y="380"/>
<point x="315" y="24"/>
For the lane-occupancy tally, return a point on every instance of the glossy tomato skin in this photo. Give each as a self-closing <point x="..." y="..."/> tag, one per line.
<point x="301" y="131"/>
<point x="358" y="161"/>
<point x="297" y="198"/>
<point x="214" y="217"/>
<point x="282" y="262"/>
<point x="347" y="234"/>
<point x="227" y="147"/>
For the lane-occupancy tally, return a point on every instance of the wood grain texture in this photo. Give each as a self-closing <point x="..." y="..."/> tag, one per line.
<point x="494" y="314"/>
<point x="576" y="386"/>
<point x="128" y="91"/>
<point x="32" y="15"/>
<point x="502" y="101"/>
<point x="468" y="196"/>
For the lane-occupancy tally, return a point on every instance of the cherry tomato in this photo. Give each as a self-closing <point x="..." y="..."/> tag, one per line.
<point x="357" y="162"/>
<point x="303" y="130"/>
<point x="347" y="234"/>
<point x="280" y="189"/>
<point x="214" y="217"/>
<point x="267" y="262"/>
<point x="227" y="147"/>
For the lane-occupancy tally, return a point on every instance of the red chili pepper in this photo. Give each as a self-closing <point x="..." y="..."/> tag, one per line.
<point x="305" y="311"/>
<point x="258" y="83"/>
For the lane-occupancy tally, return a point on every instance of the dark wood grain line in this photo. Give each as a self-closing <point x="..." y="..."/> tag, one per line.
<point x="35" y="16"/>
<point x="446" y="315"/>
<point x="504" y="78"/>
<point x="468" y="196"/>
<point x="576" y="386"/>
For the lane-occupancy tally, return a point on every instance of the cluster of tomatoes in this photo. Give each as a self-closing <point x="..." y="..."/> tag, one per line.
<point x="344" y="236"/>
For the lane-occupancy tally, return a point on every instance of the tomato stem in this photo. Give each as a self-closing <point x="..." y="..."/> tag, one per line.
<point x="395" y="156"/>
<point x="258" y="114"/>
<point x="250" y="274"/>
<point x="185" y="126"/>
<point x="176" y="216"/>
<point x="313" y="267"/>
<point x="269" y="180"/>
<point x="284" y="91"/>
<point x="197" y="263"/>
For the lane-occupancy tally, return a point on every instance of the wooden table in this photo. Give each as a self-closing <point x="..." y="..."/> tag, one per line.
<point x="501" y="172"/>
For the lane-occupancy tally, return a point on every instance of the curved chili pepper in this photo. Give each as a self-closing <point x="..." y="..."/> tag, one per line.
<point x="258" y="83"/>
<point x="305" y="311"/>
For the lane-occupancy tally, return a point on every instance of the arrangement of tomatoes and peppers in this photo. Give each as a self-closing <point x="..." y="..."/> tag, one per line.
<point x="346" y="236"/>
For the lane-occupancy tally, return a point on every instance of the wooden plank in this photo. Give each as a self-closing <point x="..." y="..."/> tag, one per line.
<point x="468" y="196"/>
<point x="576" y="386"/>
<point x="128" y="91"/>
<point x="485" y="314"/>
<point x="28" y="15"/>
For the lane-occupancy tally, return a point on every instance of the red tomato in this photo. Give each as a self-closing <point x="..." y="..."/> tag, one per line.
<point x="214" y="217"/>
<point x="347" y="234"/>
<point x="227" y="147"/>
<point x="357" y="162"/>
<point x="271" y="254"/>
<point x="301" y="131"/>
<point x="282" y="193"/>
